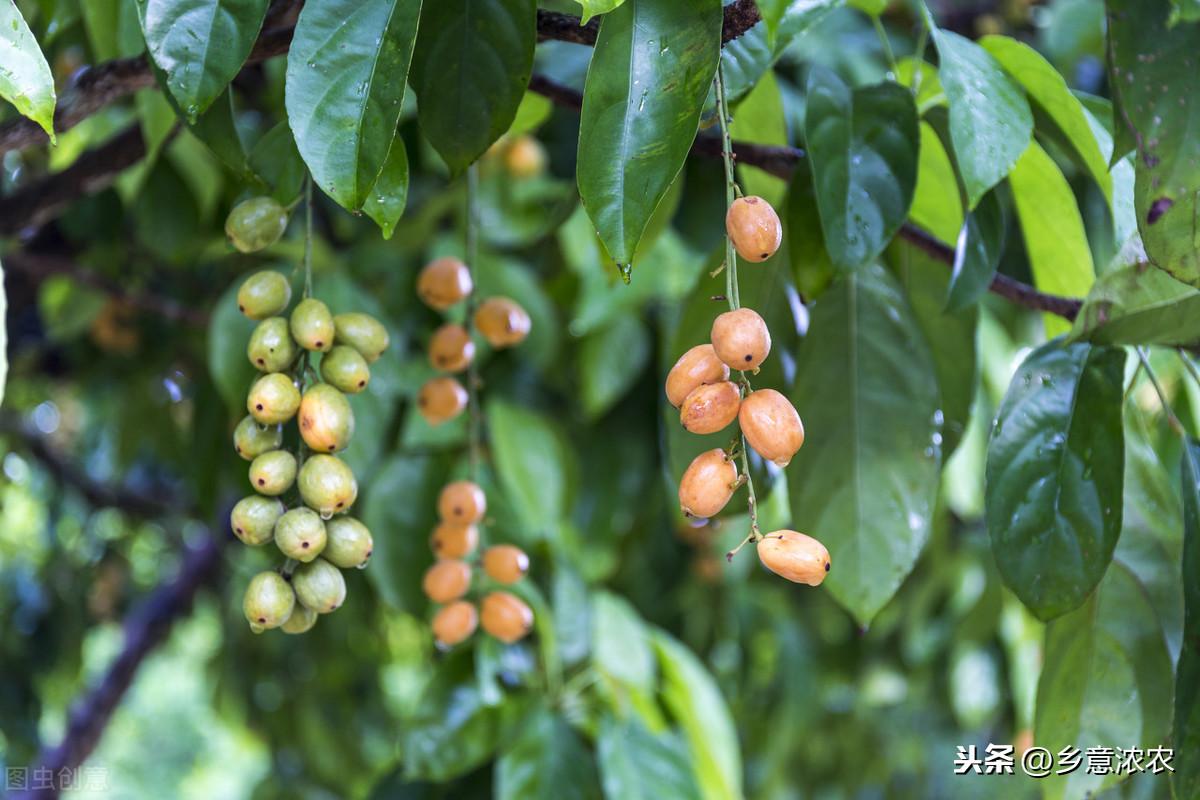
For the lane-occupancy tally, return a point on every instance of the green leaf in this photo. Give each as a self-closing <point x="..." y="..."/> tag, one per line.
<point x="1184" y="11"/>
<point x="759" y="118"/>
<point x="546" y="762"/>
<point x="25" y="81"/>
<point x="531" y="113"/>
<point x="228" y="332"/>
<point x="3" y="335"/>
<point x="470" y="69"/>
<point x="620" y="642"/>
<point x="531" y="458"/>
<point x="1157" y="101"/>
<point x="803" y="237"/>
<point x="636" y="764"/>
<point x="977" y="253"/>
<point x="610" y="361"/>
<point x="1055" y="239"/>
<point x="694" y="699"/>
<point x="646" y="85"/>
<point x="200" y="45"/>
<point x="1048" y="89"/>
<point x="343" y="110"/>
<point x="1106" y="678"/>
<point x="936" y="206"/>
<point x="592" y="8"/>
<point x="866" y="479"/>
<point x="1138" y="304"/>
<point x="1186" y="737"/>
<point x="397" y="498"/>
<point x="747" y="58"/>
<point x="275" y="159"/>
<point x="1055" y="468"/>
<point x="990" y="120"/>
<point x="772" y="12"/>
<point x="389" y="194"/>
<point x="864" y="149"/>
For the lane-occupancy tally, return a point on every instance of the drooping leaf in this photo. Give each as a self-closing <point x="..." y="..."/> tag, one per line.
<point x="646" y="86"/>
<point x="593" y="7"/>
<point x="977" y="253"/>
<point x="217" y="129"/>
<point x="1138" y="304"/>
<point x="866" y="479"/>
<point x="990" y="120"/>
<point x="864" y="149"/>
<point x="1055" y="468"/>
<point x="200" y="45"/>
<point x="620" y="642"/>
<point x="389" y="195"/>
<point x="1158" y="105"/>
<point x="530" y="457"/>
<point x="470" y="69"/>
<point x="636" y="764"/>
<point x="546" y="762"/>
<point x="936" y="206"/>
<point x="345" y="81"/>
<point x="1186" y="736"/>
<point x="695" y="701"/>
<point x="1055" y="239"/>
<point x="25" y="81"/>
<point x="611" y="360"/>
<point x="1048" y="89"/>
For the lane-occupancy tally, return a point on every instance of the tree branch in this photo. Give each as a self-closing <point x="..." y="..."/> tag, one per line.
<point x="739" y="18"/>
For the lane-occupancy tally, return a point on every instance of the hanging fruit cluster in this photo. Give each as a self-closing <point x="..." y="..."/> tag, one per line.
<point x="301" y="497"/>
<point x="461" y="505"/>
<point x="700" y="386"/>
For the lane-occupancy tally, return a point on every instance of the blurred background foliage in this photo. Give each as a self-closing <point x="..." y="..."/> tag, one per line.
<point x="654" y="659"/>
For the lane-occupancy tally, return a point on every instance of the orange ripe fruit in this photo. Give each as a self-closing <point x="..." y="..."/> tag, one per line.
<point x="451" y="348"/>
<point x="771" y="425"/>
<point x="525" y="157"/>
<point x="454" y="623"/>
<point x="707" y="484"/>
<point x="502" y="322"/>
<point x="696" y="367"/>
<point x="444" y="282"/>
<point x="754" y="228"/>
<point x="447" y="580"/>
<point x="710" y="407"/>
<point x="462" y="501"/>
<point x="506" y="617"/>
<point x="795" y="556"/>
<point x="741" y="339"/>
<point x="454" y="540"/>
<point x="505" y="563"/>
<point x="441" y="400"/>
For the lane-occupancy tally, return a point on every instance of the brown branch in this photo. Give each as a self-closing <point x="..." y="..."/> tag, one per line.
<point x="739" y="18"/>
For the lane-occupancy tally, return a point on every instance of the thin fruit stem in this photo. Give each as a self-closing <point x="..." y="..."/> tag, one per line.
<point x="1172" y="420"/>
<point x="308" y="235"/>
<point x="887" y="46"/>
<point x="475" y="424"/>
<point x="1137" y="370"/>
<point x="1189" y="366"/>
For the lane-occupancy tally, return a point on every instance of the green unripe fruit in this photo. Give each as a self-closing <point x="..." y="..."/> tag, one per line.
<point x="273" y="473"/>
<point x="300" y="534"/>
<point x="348" y="543"/>
<point x="268" y="601"/>
<point x="319" y="586"/>
<point x="312" y="325"/>
<point x="251" y="440"/>
<point x="301" y="620"/>
<point x="345" y="368"/>
<point x="253" y="519"/>
<point x="273" y="399"/>
<point x="326" y="421"/>
<point x="264" y="294"/>
<point x="271" y="348"/>
<point x="327" y="485"/>
<point x="362" y="332"/>
<point x="255" y="224"/>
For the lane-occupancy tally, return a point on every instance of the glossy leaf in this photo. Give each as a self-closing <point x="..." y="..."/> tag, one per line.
<point x="593" y="7"/>
<point x="25" y="81"/>
<point x="747" y="58"/>
<point x="990" y="120"/>
<point x="694" y="699"/>
<point x="1186" y="736"/>
<point x="1055" y="239"/>
<point x="546" y="762"/>
<point x="649" y="76"/>
<point x="1138" y="304"/>
<point x="480" y="54"/>
<point x="636" y="764"/>
<point x="977" y="253"/>
<point x="866" y="479"/>
<point x="530" y="458"/>
<point x="1055" y="468"/>
<point x="620" y="642"/>
<point x="1158" y="100"/>
<point x="200" y="45"/>
<point x="864" y="149"/>
<point x="610" y="361"/>
<point x="936" y="206"/>
<point x="345" y="81"/>
<point x="389" y="195"/>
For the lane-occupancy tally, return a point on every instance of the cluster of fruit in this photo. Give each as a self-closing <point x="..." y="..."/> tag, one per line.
<point x="311" y="530"/>
<point x="699" y="386"/>
<point x="442" y="284"/>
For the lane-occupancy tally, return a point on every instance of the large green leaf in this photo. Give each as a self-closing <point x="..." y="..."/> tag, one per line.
<point x="546" y="762"/>
<point x="593" y="7"/>
<point x="1187" y="678"/>
<point x="864" y="147"/>
<point x="866" y="479"/>
<point x="1055" y="239"/>
<point x="1055" y="468"/>
<point x="610" y="362"/>
<point x="620" y="642"/>
<point x="636" y="764"/>
<point x="470" y="69"/>
<point x="1106" y="679"/>
<point x="747" y="58"/>
<point x="694" y="699"/>
<point x="936" y="206"/>
<point x="345" y="81"/>
<point x="1048" y="89"/>
<point x="200" y="45"/>
<point x="389" y="195"/>
<point x="977" y="253"/>
<point x="645" y="89"/>
<point x="990" y="120"/>
<point x="1158" y="100"/>
<point x="276" y="161"/>
<point x="1138" y="304"/>
<point x="531" y="456"/>
<point x="25" y="80"/>
<point x="803" y="238"/>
